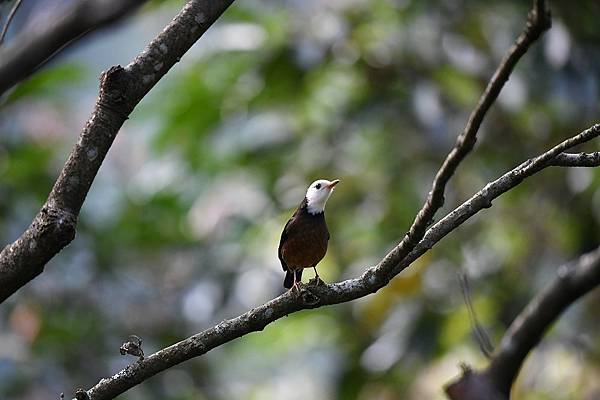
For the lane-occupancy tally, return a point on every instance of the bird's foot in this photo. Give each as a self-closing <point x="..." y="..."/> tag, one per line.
<point x="304" y="294"/>
<point x="317" y="281"/>
<point x="295" y="288"/>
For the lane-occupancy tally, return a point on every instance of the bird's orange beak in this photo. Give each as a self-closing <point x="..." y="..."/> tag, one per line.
<point x="333" y="183"/>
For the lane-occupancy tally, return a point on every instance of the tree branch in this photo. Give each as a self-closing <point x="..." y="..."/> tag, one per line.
<point x="121" y="89"/>
<point x="33" y="47"/>
<point x="483" y="198"/>
<point x="9" y="19"/>
<point x="572" y="282"/>
<point x="538" y="21"/>
<point x="314" y="296"/>
<point x="577" y="160"/>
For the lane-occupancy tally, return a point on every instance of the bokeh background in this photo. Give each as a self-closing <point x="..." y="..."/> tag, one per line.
<point x="181" y="227"/>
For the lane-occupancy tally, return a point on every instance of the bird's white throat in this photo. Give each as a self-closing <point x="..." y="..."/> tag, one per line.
<point x="317" y="195"/>
<point x="315" y="206"/>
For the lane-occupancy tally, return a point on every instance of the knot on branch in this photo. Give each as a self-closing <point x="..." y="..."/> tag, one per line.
<point x="114" y="86"/>
<point x="309" y="298"/>
<point x="58" y="223"/>
<point x="133" y="346"/>
<point x="81" y="394"/>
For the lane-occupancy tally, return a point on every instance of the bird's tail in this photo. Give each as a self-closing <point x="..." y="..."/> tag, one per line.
<point x="289" y="277"/>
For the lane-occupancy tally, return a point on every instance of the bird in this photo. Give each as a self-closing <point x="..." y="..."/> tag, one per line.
<point x="305" y="236"/>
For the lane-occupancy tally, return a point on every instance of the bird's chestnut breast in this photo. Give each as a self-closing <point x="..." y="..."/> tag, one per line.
<point x="306" y="246"/>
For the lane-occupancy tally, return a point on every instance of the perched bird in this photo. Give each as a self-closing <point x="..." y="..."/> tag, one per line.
<point x="304" y="239"/>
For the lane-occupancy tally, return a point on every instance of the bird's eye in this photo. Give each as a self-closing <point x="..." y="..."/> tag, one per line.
<point x="318" y="186"/>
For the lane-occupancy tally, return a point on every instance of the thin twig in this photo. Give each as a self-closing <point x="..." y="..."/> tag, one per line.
<point x="538" y="21"/>
<point x="572" y="282"/>
<point x="9" y="19"/>
<point x="483" y="339"/>
<point x="483" y="198"/>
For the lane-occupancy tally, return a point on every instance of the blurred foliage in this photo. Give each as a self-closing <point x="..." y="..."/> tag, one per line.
<point x="47" y="83"/>
<point x="181" y="227"/>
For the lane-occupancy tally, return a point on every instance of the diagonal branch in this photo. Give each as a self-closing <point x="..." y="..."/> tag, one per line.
<point x="483" y="198"/>
<point x="326" y="294"/>
<point x="121" y="89"/>
<point x="538" y="21"/>
<point x="33" y="47"/>
<point x="572" y="282"/>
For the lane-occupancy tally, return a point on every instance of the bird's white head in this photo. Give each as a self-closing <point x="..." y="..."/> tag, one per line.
<point x="317" y="194"/>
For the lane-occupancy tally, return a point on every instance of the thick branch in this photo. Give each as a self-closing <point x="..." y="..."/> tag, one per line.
<point x="326" y="294"/>
<point x="572" y="282"/>
<point x="35" y="46"/>
<point x="120" y="91"/>
<point x="538" y="21"/>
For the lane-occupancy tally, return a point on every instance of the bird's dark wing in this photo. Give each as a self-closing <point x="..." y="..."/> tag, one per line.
<point x="284" y="237"/>
<point x="286" y="232"/>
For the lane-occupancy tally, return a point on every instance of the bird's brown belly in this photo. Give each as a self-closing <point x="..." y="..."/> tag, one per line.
<point x="304" y="250"/>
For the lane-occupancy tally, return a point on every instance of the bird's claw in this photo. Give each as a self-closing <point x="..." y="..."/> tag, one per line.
<point x="317" y="281"/>
<point x="295" y="288"/>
